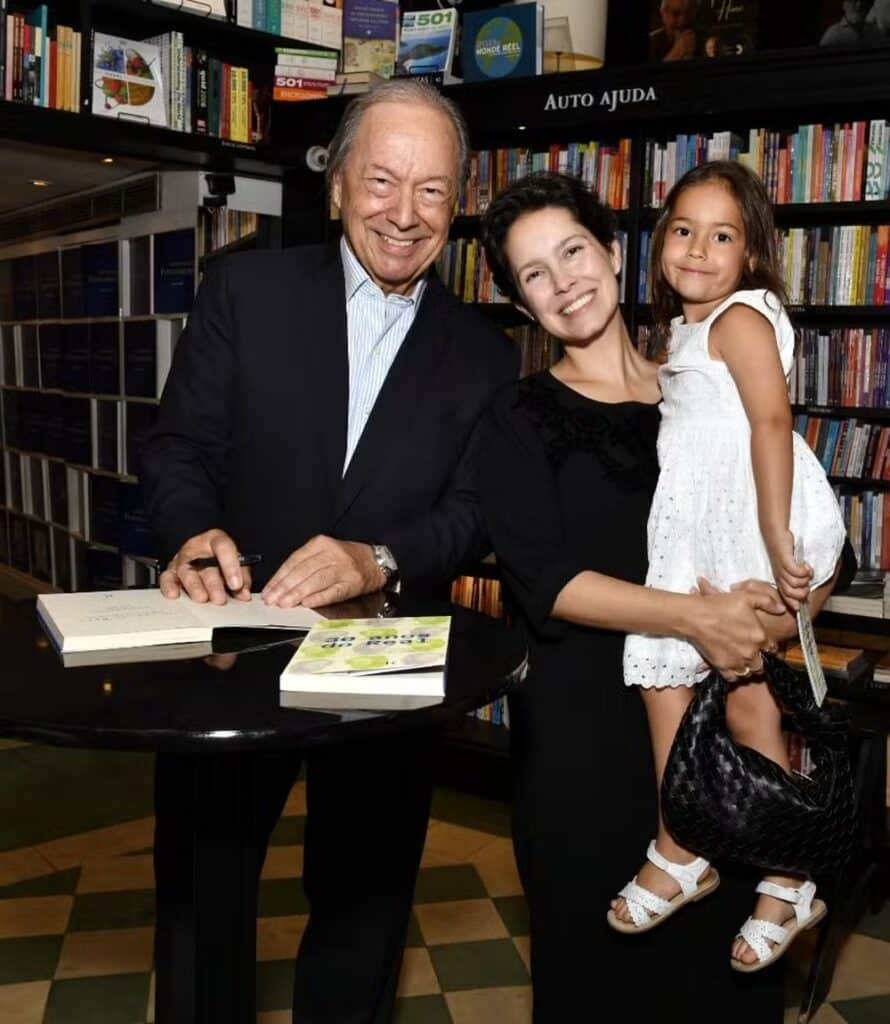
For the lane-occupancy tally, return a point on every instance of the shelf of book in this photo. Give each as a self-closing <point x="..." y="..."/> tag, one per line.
<point x="88" y="324"/>
<point x="843" y="411"/>
<point x="202" y="73"/>
<point x="187" y="18"/>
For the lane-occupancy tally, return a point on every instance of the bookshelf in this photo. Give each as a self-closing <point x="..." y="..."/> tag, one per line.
<point x="60" y="112"/>
<point x="88" y="324"/>
<point x="845" y="402"/>
<point x="643" y="104"/>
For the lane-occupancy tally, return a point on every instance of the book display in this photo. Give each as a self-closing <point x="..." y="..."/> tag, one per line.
<point x="87" y="334"/>
<point x="503" y="42"/>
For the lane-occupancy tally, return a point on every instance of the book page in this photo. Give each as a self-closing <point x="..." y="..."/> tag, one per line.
<point x="254" y="614"/>
<point x="118" y="613"/>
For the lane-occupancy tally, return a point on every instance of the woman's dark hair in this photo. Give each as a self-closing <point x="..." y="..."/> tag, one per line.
<point x="761" y="267"/>
<point x="538" y="192"/>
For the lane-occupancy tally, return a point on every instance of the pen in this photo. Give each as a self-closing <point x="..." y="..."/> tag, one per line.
<point x="213" y="563"/>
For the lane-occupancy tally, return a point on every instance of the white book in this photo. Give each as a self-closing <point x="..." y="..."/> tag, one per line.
<point x="111" y="619"/>
<point x="365" y="658"/>
<point x="208" y="8"/>
<point x="244" y="13"/>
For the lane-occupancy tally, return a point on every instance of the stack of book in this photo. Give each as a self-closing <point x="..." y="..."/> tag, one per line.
<point x="868" y="596"/>
<point x="303" y="74"/>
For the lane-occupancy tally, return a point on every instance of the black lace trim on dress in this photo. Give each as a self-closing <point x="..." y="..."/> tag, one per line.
<point x="627" y="456"/>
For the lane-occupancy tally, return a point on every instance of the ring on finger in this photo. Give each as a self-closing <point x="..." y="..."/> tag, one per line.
<point x="746" y="673"/>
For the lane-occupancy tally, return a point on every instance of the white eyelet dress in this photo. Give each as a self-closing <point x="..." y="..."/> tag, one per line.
<point x="703" y="520"/>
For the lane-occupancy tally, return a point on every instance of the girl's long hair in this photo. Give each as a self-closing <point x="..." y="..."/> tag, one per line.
<point x="761" y="267"/>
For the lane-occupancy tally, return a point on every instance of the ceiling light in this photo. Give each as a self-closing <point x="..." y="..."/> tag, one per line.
<point x="40" y="182"/>
<point x="107" y="160"/>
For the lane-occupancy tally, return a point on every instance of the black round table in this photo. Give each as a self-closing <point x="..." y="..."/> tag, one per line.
<point x="208" y="719"/>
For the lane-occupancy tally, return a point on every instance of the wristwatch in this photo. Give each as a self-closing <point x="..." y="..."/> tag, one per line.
<point x="383" y="557"/>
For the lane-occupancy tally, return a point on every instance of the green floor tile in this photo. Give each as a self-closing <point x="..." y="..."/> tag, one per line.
<point x="514" y="913"/>
<point x="282" y="896"/>
<point x="29" y="959"/>
<point x="876" y="925"/>
<point x="118" y="999"/>
<point x="471" y="811"/>
<point x="289" y="831"/>
<point x="275" y="985"/>
<point x="422" y="1010"/>
<point x="96" y="911"/>
<point x="414" y="937"/>
<point x="90" y="789"/>
<point x="458" y="882"/>
<point x="871" y="1010"/>
<point x="465" y="965"/>
<point x="57" y="883"/>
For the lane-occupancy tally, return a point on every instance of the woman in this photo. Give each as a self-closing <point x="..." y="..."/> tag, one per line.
<point x="566" y="469"/>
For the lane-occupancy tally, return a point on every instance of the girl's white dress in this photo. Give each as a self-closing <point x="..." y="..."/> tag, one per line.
<point x="703" y="520"/>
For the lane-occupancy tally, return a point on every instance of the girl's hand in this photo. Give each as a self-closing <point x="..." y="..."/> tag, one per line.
<point x="792" y="578"/>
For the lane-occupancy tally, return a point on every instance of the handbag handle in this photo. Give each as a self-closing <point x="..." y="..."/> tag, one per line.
<point x="829" y="724"/>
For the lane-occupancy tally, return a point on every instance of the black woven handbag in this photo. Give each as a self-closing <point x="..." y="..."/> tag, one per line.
<point x="728" y="802"/>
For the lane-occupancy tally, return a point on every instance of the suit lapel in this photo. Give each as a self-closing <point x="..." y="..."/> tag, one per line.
<point x="325" y="361"/>
<point x="401" y="395"/>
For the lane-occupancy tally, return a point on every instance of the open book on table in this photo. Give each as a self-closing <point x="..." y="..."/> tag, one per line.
<point x="110" y="619"/>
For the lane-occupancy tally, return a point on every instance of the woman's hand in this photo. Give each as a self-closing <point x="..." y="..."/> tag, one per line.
<point x="728" y="630"/>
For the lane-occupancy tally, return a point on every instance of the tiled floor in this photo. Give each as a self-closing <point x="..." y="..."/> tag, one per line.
<point x="76" y="907"/>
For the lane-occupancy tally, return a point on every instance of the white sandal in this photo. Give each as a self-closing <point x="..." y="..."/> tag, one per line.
<point x="756" y="932"/>
<point x="696" y="880"/>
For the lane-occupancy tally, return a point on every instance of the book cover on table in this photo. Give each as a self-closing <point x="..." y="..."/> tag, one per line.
<point x="403" y="656"/>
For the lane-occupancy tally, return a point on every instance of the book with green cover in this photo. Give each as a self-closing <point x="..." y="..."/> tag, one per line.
<point x="398" y="656"/>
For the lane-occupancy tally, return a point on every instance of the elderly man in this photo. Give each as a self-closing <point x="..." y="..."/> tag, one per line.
<point x="317" y="412"/>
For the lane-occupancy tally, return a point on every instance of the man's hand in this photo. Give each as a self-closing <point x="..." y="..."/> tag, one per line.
<point x="324" y="571"/>
<point x="207" y="584"/>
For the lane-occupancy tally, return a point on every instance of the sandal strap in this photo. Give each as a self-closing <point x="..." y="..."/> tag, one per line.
<point x="755" y="932"/>
<point x="800" y="898"/>
<point x="642" y="903"/>
<point x="686" y="875"/>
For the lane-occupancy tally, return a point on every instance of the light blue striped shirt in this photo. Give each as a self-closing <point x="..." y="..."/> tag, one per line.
<point x="376" y="325"/>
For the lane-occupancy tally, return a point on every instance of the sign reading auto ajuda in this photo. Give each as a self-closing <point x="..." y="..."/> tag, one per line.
<point x="612" y="99"/>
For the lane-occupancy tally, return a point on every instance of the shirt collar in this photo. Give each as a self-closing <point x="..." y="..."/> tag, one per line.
<point x="356" y="278"/>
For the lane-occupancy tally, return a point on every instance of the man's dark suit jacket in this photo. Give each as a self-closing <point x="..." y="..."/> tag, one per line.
<point x="251" y="434"/>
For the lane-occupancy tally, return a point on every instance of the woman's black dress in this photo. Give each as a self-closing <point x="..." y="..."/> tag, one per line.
<point x="565" y="483"/>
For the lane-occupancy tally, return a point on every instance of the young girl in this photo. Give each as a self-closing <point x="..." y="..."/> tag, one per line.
<point x="739" y="495"/>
